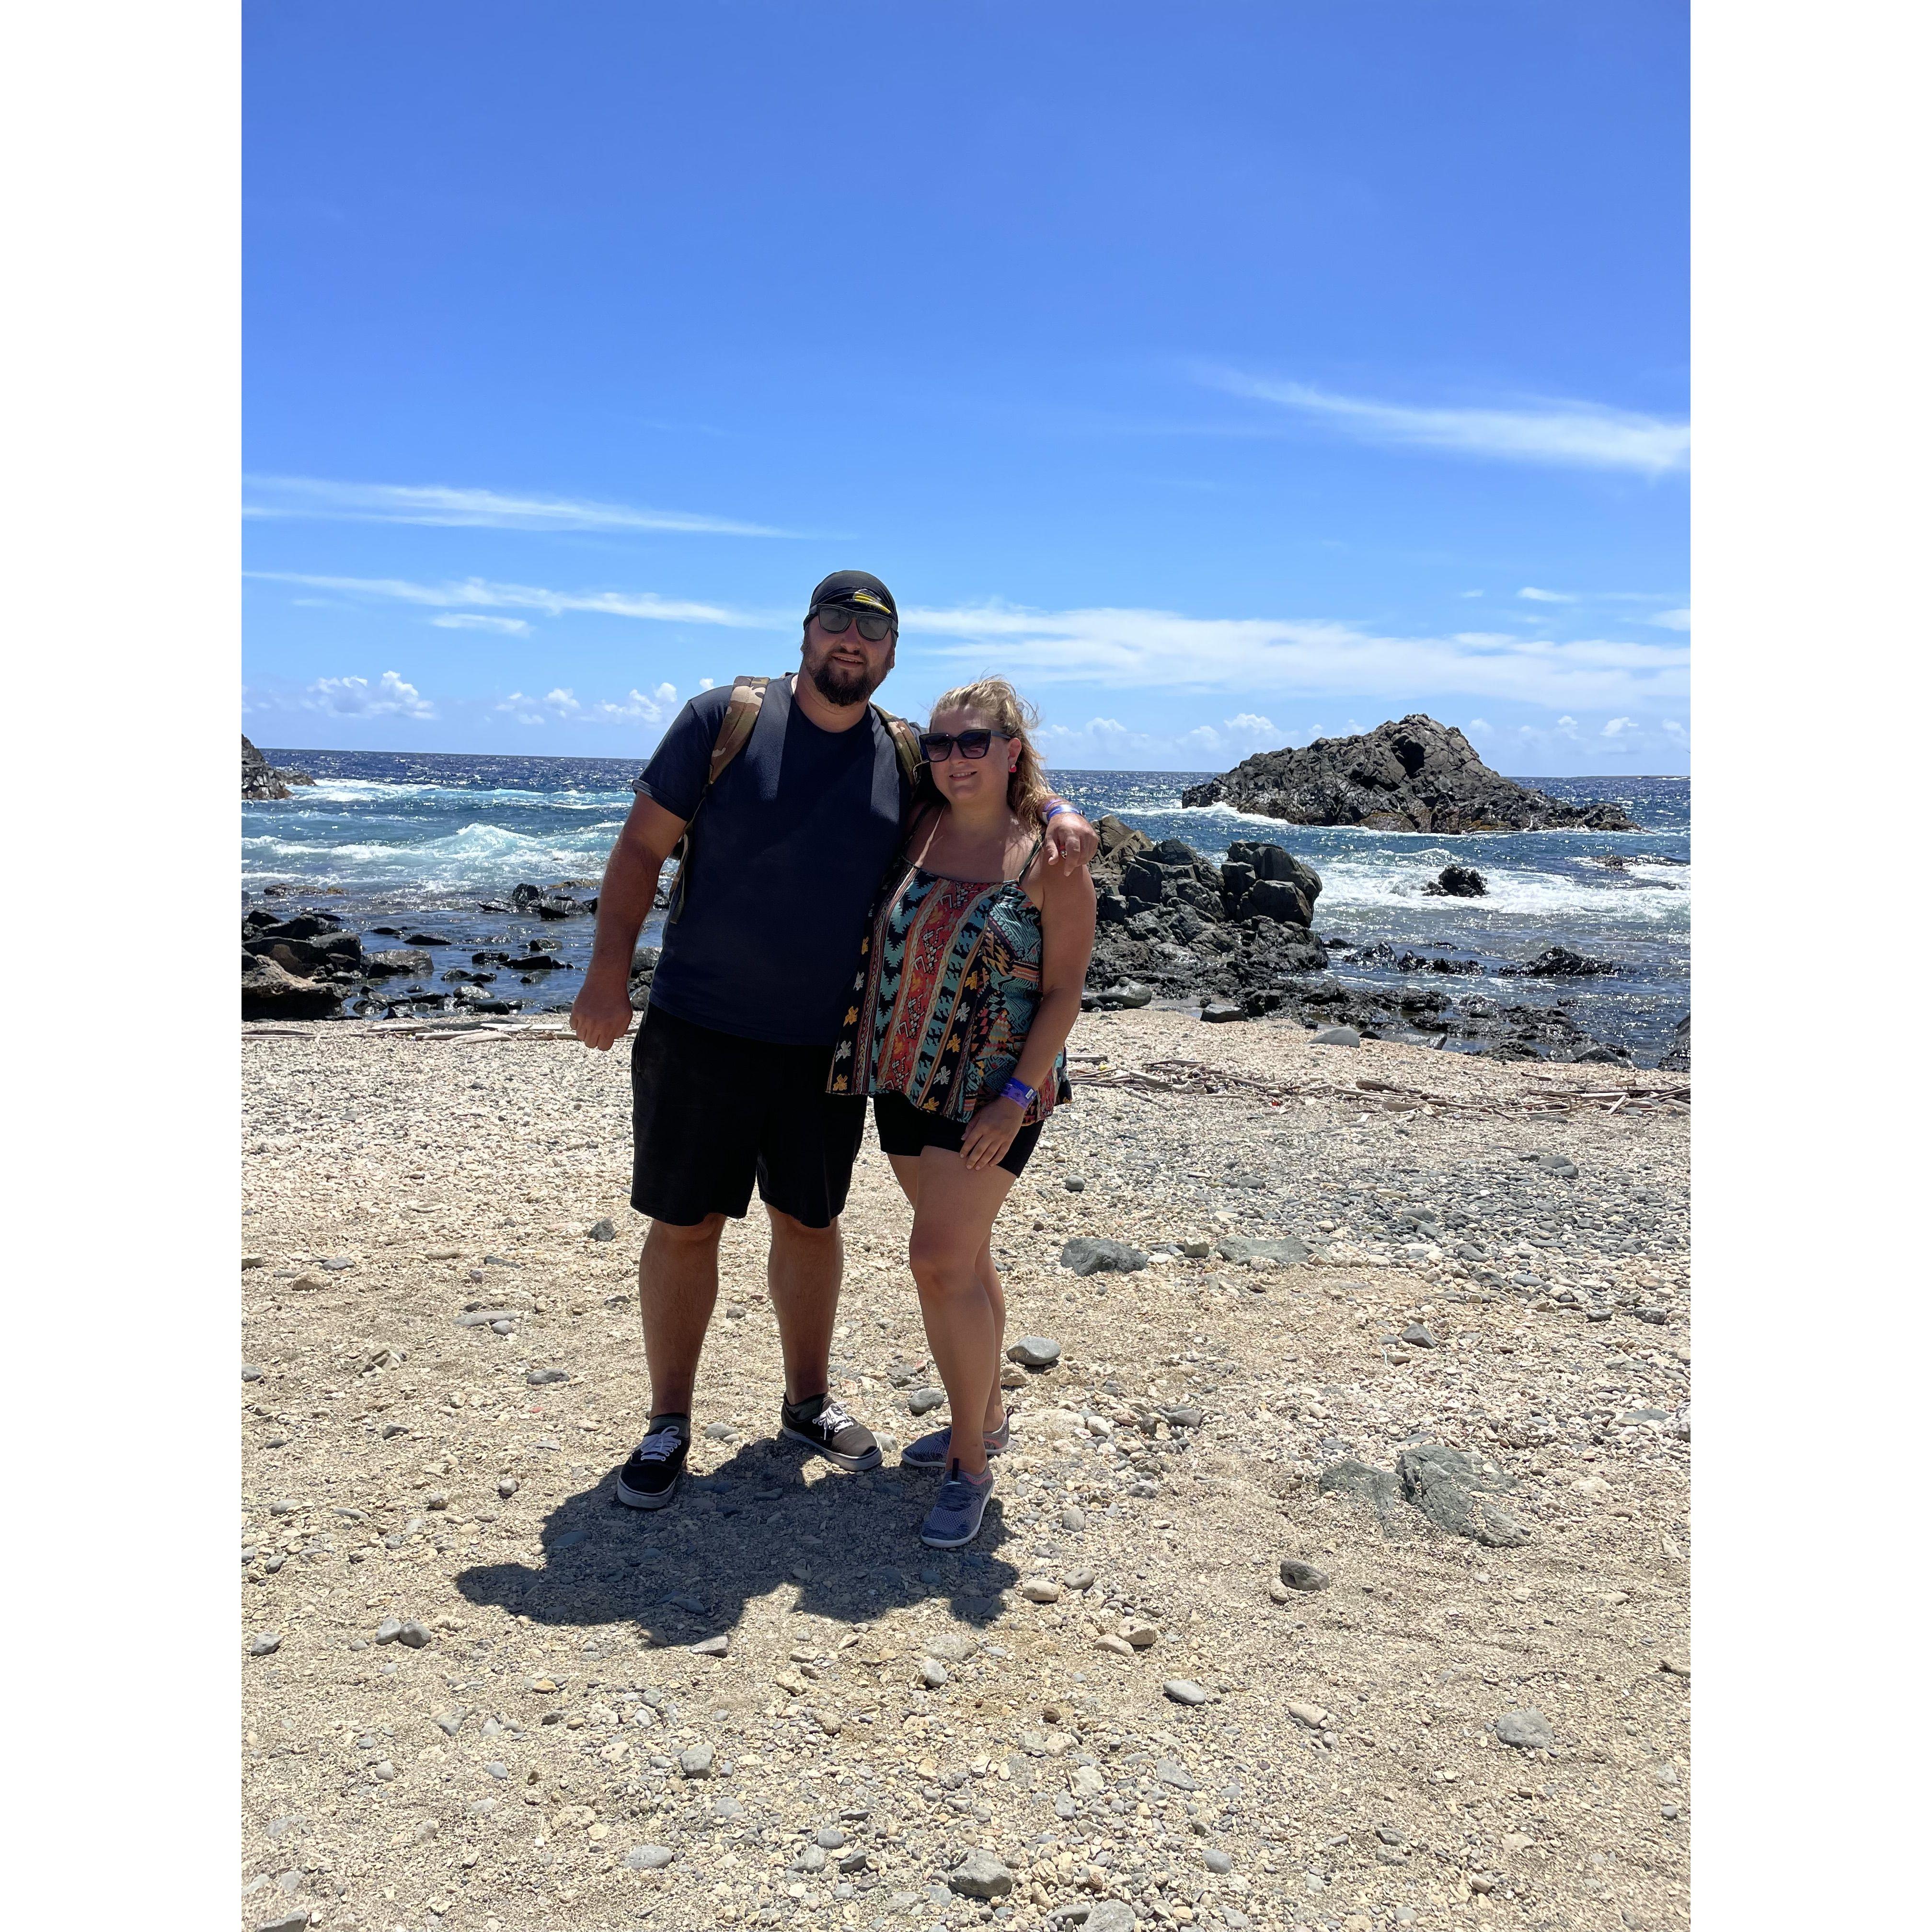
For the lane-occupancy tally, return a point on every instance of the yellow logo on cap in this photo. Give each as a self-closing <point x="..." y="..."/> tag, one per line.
<point x="864" y="597"/>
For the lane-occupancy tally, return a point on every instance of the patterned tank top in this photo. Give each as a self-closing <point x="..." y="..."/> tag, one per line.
<point x="947" y="986"/>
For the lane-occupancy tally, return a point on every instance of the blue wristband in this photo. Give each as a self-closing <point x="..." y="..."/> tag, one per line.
<point x="1017" y="1090"/>
<point x="1052" y="809"/>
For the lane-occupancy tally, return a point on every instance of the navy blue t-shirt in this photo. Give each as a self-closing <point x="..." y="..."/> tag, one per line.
<point x="786" y="855"/>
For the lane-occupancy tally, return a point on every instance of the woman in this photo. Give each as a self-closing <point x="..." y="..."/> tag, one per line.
<point x="969" y="982"/>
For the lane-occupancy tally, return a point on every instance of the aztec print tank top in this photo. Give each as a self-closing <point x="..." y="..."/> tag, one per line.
<point x="947" y="986"/>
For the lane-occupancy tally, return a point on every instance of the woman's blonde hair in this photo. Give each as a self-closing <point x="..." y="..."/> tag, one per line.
<point x="993" y="699"/>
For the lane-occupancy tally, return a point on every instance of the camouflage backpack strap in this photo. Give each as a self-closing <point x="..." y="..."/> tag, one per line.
<point x="734" y="732"/>
<point x="905" y="746"/>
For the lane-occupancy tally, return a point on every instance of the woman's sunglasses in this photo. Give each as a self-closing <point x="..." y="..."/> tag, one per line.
<point x="936" y="747"/>
<point x="834" y="618"/>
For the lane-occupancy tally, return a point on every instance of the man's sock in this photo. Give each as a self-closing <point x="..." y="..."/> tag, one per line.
<point x="804" y="1410"/>
<point x="671" y="1418"/>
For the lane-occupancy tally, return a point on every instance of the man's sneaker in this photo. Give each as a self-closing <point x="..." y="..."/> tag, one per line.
<point x="935" y="1451"/>
<point x="650" y="1478"/>
<point x="953" y="1520"/>
<point x="823" y="1425"/>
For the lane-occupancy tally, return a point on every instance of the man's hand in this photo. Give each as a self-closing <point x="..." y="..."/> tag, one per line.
<point x="1068" y="836"/>
<point x="601" y="1014"/>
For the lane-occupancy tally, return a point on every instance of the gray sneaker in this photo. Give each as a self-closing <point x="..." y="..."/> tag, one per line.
<point x="954" y="1519"/>
<point x="935" y="1451"/>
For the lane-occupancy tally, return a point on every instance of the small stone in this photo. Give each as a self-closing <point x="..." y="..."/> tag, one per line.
<point x="1111" y="1914"/>
<point x="1217" y="1862"/>
<point x="922" y="1402"/>
<point x="811" y="1859"/>
<point x="537" y="1377"/>
<point x="296" y="1921"/>
<point x="828" y="1838"/>
<point x="1335" y="1036"/>
<point x="697" y="1762"/>
<point x="1527" y="1729"/>
<point x="1300" y="1576"/>
<point x="1175" y="1776"/>
<point x="720" y="1432"/>
<point x="605" y="1230"/>
<point x="383" y="1773"/>
<point x="1119" y="1645"/>
<point x="436" y="1499"/>
<point x="1141" y="1635"/>
<point x="1311" y="1715"/>
<point x="250" y="1372"/>
<point x="648" y="1857"/>
<point x="1675" y="1667"/>
<point x="507" y="1487"/>
<point x="412" y="1635"/>
<point x="1034" y="1351"/>
<point x="980" y="1875"/>
<point x="1074" y="1184"/>
<point x="389" y="1629"/>
<point x="448" y="1722"/>
<point x="266" y="1645"/>
<point x="1222" y="1013"/>
<point x="1184" y="1690"/>
<point x="1287" y="1249"/>
<point x="1417" y="1337"/>
<point x="712" y="1646"/>
<point x="1038" y="1590"/>
<point x="1081" y="1579"/>
<point x="1073" y="1519"/>
<point x="507" y="1326"/>
<point x="933" y="1674"/>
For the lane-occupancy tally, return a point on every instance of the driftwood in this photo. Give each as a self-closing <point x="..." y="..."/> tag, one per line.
<point x="1194" y="1079"/>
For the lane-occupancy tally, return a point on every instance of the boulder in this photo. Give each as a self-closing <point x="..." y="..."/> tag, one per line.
<point x="1376" y="1487"/>
<point x="1410" y="774"/>
<point x="1287" y="1249"/>
<point x="1457" y="882"/>
<point x="1278" y="899"/>
<point x="259" y="780"/>
<point x="1450" y="1488"/>
<point x="397" y="962"/>
<point x="1558" y="962"/>
<point x="270" y="991"/>
<point x="1091" y="1254"/>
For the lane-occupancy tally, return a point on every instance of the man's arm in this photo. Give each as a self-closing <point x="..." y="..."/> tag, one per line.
<point x="1068" y="836"/>
<point x="601" y="1013"/>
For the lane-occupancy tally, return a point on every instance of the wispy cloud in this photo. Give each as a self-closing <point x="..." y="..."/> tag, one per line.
<point x="1672" y="620"/>
<point x="1536" y="596"/>
<point x="316" y="497"/>
<point x="1567" y="434"/>
<point x="390" y="696"/>
<point x="474" y="620"/>
<point x="1274" y="659"/>
<point x="656" y="707"/>
<point x="477" y="593"/>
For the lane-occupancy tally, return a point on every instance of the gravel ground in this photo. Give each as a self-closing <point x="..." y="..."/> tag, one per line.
<point x="770" y="1705"/>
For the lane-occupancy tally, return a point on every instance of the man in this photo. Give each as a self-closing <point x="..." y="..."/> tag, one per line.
<point x="728" y="1074"/>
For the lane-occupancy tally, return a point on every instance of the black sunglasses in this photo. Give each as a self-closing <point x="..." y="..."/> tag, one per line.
<point x="834" y="618"/>
<point x="936" y="747"/>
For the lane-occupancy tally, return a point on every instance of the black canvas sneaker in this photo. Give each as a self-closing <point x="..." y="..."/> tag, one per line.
<point x="650" y="1478"/>
<point x="823" y="1425"/>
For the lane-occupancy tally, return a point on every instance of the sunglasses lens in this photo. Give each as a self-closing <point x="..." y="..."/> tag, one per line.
<point x="935" y="747"/>
<point x="833" y="618"/>
<point x="973" y="744"/>
<point x="874" y="630"/>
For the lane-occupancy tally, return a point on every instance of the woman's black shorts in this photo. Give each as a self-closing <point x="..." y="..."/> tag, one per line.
<point x="713" y="1112"/>
<point x="906" y="1129"/>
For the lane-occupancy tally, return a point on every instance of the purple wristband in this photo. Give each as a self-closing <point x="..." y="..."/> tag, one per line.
<point x="1017" y="1090"/>
<point x="1052" y="809"/>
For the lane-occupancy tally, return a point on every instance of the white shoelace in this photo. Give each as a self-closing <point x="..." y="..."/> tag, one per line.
<point x="661" y="1445"/>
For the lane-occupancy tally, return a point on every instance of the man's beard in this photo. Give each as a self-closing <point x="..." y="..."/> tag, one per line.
<point x="838" y="685"/>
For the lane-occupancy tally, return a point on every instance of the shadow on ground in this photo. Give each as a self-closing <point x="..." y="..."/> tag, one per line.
<point x="848" y="1545"/>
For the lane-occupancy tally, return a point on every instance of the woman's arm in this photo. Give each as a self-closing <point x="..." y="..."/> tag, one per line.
<point x="1066" y="924"/>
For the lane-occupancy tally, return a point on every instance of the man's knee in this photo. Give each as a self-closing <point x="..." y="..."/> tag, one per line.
<point x="786" y="1229"/>
<point x="699" y="1234"/>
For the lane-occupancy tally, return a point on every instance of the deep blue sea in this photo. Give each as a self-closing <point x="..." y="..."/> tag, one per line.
<point x="424" y="841"/>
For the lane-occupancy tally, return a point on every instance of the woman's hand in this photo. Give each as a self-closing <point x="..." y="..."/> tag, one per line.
<point x="992" y="1132"/>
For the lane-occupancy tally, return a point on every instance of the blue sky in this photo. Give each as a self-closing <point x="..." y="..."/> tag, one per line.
<point x="1226" y="375"/>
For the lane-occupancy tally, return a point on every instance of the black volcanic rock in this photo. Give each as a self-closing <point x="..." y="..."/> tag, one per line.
<point x="261" y="780"/>
<point x="1412" y="775"/>
<point x="1456" y="882"/>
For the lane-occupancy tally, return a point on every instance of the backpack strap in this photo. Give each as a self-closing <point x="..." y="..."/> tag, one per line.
<point x="905" y="746"/>
<point x="734" y="732"/>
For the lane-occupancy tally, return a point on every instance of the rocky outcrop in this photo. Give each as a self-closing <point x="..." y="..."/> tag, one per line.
<point x="260" y="780"/>
<point x="1412" y="775"/>
<point x="269" y="991"/>
<point x="1457" y="882"/>
<point x="1174" y="923"/>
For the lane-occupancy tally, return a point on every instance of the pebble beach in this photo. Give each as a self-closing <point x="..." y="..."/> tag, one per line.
<point x="1336" y="1577"/>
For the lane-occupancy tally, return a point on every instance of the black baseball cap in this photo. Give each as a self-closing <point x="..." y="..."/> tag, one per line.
<point x="859" y="588"/>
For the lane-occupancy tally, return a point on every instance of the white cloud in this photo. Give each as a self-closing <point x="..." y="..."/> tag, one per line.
<point x="522" y="709"/>
<point x="1568" y="434"/>
<point x="314" y="496"/>
<point x="1537" y="596"/>
<point x="1478" y="727"/>
<point x="1617" y="726"/>
<point x="1672" y="620"/>
<point x="656" y="707"/>
<point x="474" y="620"/>
<point x="355" y="697"/>
<point x="477" y="593"/>
<point x="1274" y="658"/>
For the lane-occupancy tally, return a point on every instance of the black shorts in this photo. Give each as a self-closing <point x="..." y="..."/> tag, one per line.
<point x="906" y="1129"/>
<point x="711" y="1112"/>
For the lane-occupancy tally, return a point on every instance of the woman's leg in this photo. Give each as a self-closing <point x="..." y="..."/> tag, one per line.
<point x="996" y="1294"/>
<point x="952" y="1222"/>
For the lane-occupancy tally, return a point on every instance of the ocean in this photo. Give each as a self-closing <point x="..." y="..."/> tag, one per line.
<point x="427" y="840"/>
